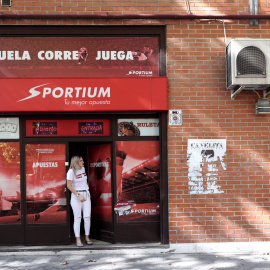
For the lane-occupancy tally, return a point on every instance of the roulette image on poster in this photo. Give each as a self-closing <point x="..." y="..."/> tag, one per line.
<point x="128" y="129"/>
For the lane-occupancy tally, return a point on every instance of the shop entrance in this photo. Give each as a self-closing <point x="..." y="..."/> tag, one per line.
<point x="125" y="200"/>
<point x="127" y="177"/>
<point x="36" y="207"/>
<point x="97" y="162"/>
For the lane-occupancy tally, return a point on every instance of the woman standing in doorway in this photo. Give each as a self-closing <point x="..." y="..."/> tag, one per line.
<point x="80" y="198"/>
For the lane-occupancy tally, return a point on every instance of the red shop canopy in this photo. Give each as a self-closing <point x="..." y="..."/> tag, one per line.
<point x="83" y="94"/>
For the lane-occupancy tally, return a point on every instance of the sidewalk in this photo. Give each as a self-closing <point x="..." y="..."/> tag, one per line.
<point x="133" y="261"/>
<point x="124" y="257"/>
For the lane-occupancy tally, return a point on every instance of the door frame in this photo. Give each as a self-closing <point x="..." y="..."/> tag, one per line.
<point x="156" y="231"/>
<point x="100" y="229"/>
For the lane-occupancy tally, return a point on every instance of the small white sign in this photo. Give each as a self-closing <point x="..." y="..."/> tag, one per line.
<point x="9" y="128"/>
<point x="175" y="117"/>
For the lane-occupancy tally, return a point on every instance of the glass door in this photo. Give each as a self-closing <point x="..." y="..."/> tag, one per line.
<point x="46" y="202"/>
<point x="137" y="208"/>
<point x="11" y="227"/>
<point x="99" y="170"/>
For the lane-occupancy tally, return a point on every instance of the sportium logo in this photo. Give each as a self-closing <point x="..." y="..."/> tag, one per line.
<point x="143" y="73"/>
<point x="67" y="92"/>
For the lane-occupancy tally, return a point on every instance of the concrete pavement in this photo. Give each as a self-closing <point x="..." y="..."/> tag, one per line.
<point x="132" y="261"/>
<point x="124" y="257"/>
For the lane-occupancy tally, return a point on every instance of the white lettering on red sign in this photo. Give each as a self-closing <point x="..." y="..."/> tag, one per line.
<point x="42" y="55"/>
<point x="45" y="164"/>
<point x="78" y="92"/>
<point x="14" y="55"/>
<point x="114" y="55"/>
<point x="69" y="92"/>
<point x="58" y="55"/>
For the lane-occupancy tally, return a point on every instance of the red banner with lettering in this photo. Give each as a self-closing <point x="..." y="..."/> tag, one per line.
<point x="79" y="57"/>
<point x="83" y="94"/>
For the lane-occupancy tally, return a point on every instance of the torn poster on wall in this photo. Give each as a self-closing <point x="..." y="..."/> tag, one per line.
<point x="205" y="165"/>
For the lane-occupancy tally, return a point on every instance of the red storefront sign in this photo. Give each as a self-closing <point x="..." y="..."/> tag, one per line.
<point x="83" y="94"/>
<point x="79" y="57"/>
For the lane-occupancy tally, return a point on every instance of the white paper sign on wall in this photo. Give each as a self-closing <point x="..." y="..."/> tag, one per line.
<point x="206" y="166"/>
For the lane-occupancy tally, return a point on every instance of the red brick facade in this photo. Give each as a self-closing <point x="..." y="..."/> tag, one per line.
<point x="196" y="70"/>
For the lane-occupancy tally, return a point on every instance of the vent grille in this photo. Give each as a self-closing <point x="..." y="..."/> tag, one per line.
<point x="251" y="61"/>
<point x="6" y="3"/>
<point x="228" y="64"/>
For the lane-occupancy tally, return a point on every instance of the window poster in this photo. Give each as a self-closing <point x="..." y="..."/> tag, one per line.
<point x="138" y="181"/>
<point x="46" y="183"/>
<point x="138" y="127"/>
<point x="99" y="170"/>
<point x="10" y="196"/>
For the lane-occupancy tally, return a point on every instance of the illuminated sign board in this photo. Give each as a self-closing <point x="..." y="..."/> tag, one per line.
<point x="90" y="127"/>
<point x="72" y="127"/>
<point x="44" y="128"/>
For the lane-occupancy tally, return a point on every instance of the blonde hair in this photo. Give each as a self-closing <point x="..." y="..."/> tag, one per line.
<point x="74" y="164"/>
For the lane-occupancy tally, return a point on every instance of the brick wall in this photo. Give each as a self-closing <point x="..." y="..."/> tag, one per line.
<point x="132" y="7"/>
<point x="197" y="86"/>
<point x="196" y="72"/>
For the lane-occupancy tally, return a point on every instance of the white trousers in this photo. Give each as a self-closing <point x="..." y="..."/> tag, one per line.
<point x="78" y="208"/>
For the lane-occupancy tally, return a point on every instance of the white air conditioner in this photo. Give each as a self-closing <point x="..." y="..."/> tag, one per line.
<point x="248" y="64"/>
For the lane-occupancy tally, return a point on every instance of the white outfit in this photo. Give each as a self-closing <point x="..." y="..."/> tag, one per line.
<point x="79" y="183"/>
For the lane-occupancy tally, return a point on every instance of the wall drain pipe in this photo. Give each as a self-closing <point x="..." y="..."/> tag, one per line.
<point x="13" y="16"/>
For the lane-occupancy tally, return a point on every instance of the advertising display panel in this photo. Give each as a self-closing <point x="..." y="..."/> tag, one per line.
<point x="79" y="57"/>
<point x="138" y="181"/>
<point x="46" y="183"/>
<point x="10" y="195"/>
<point x="99" y="168"/>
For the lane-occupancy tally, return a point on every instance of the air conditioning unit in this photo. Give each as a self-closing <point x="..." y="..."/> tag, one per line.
<point x="248" y="64"/>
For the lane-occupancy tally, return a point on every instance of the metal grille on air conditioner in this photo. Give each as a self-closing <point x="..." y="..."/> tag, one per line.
<point x="228" y="65"/>
<point x="251" y="61"/>
<point x="5" y="3"/>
